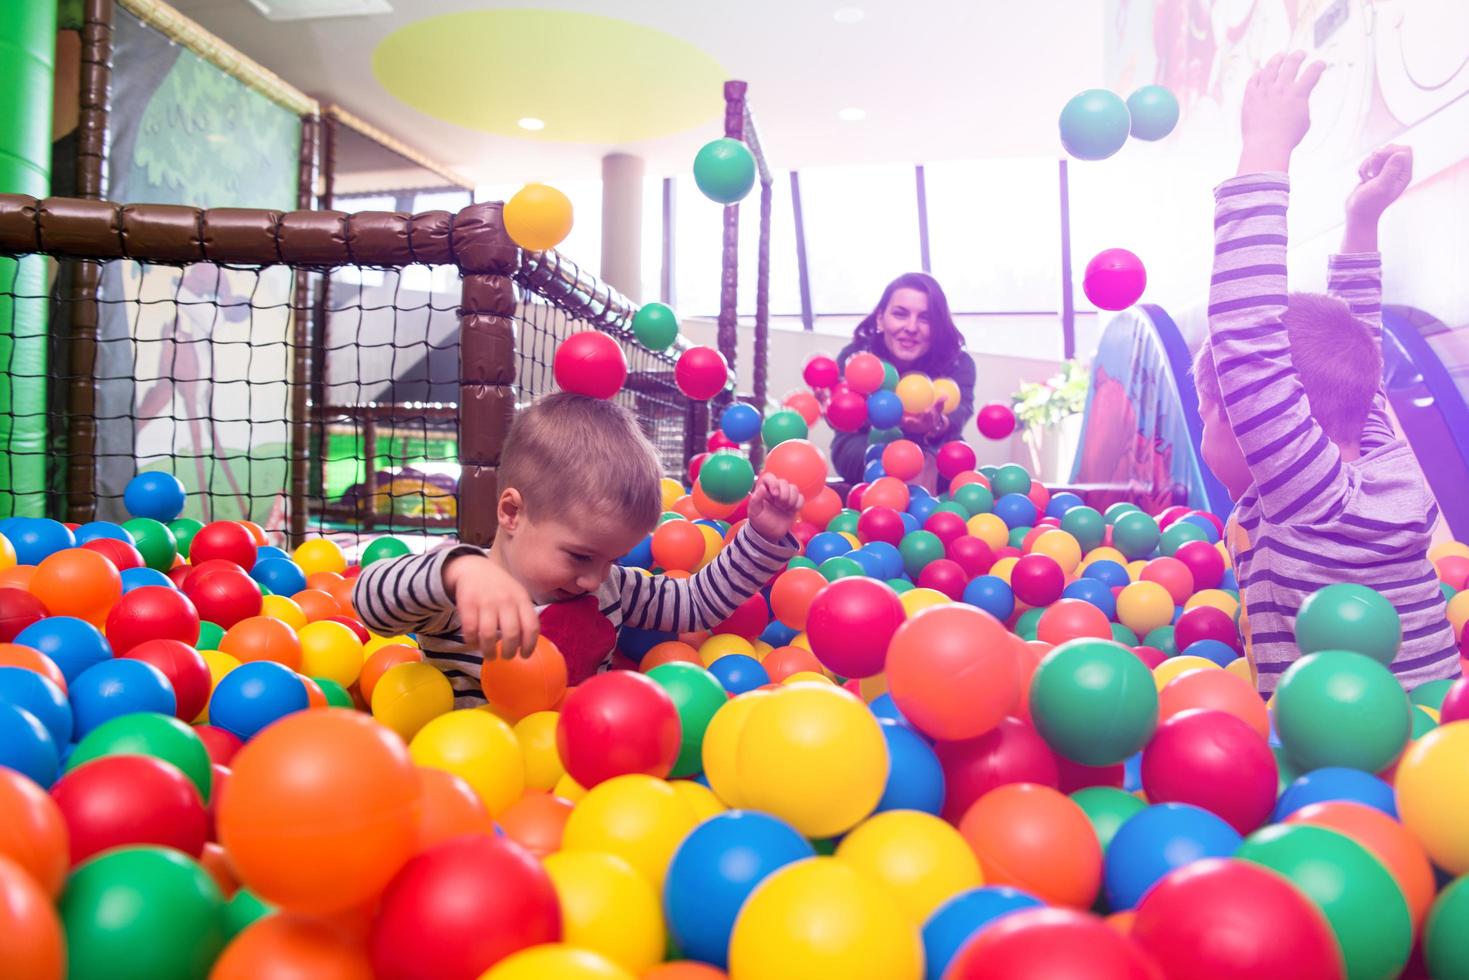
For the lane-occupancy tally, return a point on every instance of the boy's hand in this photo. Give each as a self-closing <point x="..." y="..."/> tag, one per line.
<point x="493" y="607"/>
<point x="1383" y="177"/>
<point x="774" y="506"/>
<point x="1277" y="112"/>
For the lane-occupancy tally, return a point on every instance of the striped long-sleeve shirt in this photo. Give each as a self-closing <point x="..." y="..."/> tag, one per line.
<point x="407" y="595"/>
<point x="1312" y="518"/>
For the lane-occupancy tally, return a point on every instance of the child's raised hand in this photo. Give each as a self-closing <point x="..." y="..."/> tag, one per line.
<point x="493" y="607"/>
<point x="1277" y="113"/>
<point x="1383" y="176"/>
<point x="774" y="506"/>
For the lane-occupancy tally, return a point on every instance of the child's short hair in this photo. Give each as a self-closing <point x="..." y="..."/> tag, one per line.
<point x="568" y="453"/>
<point x="1337" y="357"/>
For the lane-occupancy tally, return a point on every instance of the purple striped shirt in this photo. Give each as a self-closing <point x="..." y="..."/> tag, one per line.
<point x="1312" y="518"/>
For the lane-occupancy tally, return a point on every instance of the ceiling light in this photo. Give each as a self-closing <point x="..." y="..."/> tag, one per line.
<point x="316" y="9"/>
<point x="848" y="15"/>
<point x="532" y="123"/>
<point x="852" y="114"/>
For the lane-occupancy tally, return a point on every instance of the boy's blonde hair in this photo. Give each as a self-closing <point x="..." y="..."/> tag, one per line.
<point x="1336" y="355"/>
<point x="569" y="453"/>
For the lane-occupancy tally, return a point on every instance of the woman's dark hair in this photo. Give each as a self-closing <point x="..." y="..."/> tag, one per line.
<point x="945" y="340"/>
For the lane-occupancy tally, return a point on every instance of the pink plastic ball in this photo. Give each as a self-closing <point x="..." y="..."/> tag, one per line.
<point x="1012" y="752"/>
<point x="850" y="623"/>
<point x="1037" y="580"/>
<point x="854" y="496"/>
<point x="1212" y="760"/>
<point x="820" y="372"/>
<point x="696" y="463"/>
<point x="880" y="524"/>
<point x="944" y="575"/>
<point x="1151" y="656"/>
<point x="1204" y="561"/>
<point x="1455" y="706"/>
<point x="846" y="411"/>
<point x="1205" y="623"/>
<point x="947" y="525"/>
<point x="1173" y="575"/>
<point x="954" y="458"/>
<point x="972" y="554"/>
<point x="590" y="363"/>
<point x="1114" y="279"/>
<point x="718" y="440"/>
<point x="995" y="421"/>
<point x="701" y="373"/>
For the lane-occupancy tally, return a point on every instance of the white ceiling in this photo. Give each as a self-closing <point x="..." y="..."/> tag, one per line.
<point x="938" y="79"/>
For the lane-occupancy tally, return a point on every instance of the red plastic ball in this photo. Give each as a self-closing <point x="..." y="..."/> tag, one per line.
<point x="462" y="906"/>
<point x="846" y="411"/>
<point x="804" y="531"/>
<point x="850" y="624"/>
<point x="995" y="421"/>
<point x="227" y="540"/>
<point x="696" y="463"/>
<point x="1013" y="752"/>
<point x="1170" y="514"/>
<point x="1173" y="575"/>
<point x="1455" y="704"/>
<point x="854" y="496"/>
<point x="120" y="553"/>
<point x="152" y="612"/>
<point x="1205" y="623"/>
<point x="1204" y="561"/>
<point x="221" y="746"/>
<point x="223" y="596"/>
<point x="1075" y="776"/>
<point x="590" y="363"/>
<point x="1222" y="919"/>
<point x="1039" y="495"/>
<point x="1037" y="580"/>
<point x="1151" y="656"/>
<point x="354" y="625"/>
<point x="820" y="372"/>
<point x="749" y="618"/>
<point x="954" y="458"/>
<point x="864" y="373"/>
<point x="944" y="575"/>
<point x="1453" y="571"/>
<point x="1215" y="761"/>
<point x="902" y="458"/>
<point x="1114" y="279"/>
<point x="972" y="554"/>
<point x="617" y="723"/>
<point x="701" y="373"/>
<point x="185" y="669"/>
<point x="1054" y="943"/>
<point x="1070" y="619"/>
<point x="881" y="524"/>
<point x="130" y="799"/>
<point x="18" y="609"/>
<point x="718" y="440"/>
<point x="947" y="525"/>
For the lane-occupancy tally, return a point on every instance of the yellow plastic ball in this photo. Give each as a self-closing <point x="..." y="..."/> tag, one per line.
<point x="556" y="960"/>
<point x="1103" y="554"/>
<point x="873" y="687"/>
<point x="608" y="908"/>
<point x="671" y="490"/>
<point x="330" y="650"/>
<point x="1459" y="612"/>
<point x="219" y="664"/>
<point x="635" y="817"/>
<point x="916" y="392"/>
<point x="1240" y="667"/>
<point x="536" y="733"/>
<point x="1223" y="550"/>
<point x="922" y="860"/>
<point x="915" y="600"/>
<point x="1430" y="711"/>
<point x="801" y="640"/>
<point x="851" y="539"/>
<point x="320" y="555"/>
<point x="1174" y="666"/>
<point x="1144" y="606"/>
<point x="761" y="649"/>
<point x="1003" y="568"/>
<point x="990" y="529"/>
<point x="1059" y="546"/>
<point x="285" y="609"/>
<point x="538" y="217"/>
<point x="1135" y="569"/>
<point x="569" y="789"/>
<point x="375" y="643"/>
<point x="721" y="743"/>
<point x="475" y="746"/>
<point x="722" y="645"/>
<point x="1433" y="794"/>
<point x="948" y="390"/>
<point x="807" y="677"/>
<point x="813" y="755"/>
<point x="822" y="918"/>
<point x="1445" y="549"/>
<point x="700" y="798"/>
<point x="411" y="695"/>
<point x="1214" y="598"/>
<point x="713" y="541"/>
<point x="7" y="553"/>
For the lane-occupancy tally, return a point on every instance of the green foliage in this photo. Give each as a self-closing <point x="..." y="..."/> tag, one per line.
<point x="1040" y="404"/>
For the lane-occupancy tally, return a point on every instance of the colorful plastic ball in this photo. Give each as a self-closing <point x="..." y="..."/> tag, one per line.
<point x="992" y="594"/>
<point x="953" y="458"/>
<point x="915" y="777"/>
<point x="615" y="724"/>
<point x="1135" y="534"/>
<point x="33" y="834"/>
<point x="846" y="411"/>
<point x="952" y="672"/>
<point x="254" y="695"/>
<point x="1071" y="619"/>
<point x="120" y="800"/>
<point x="231" y="541"/>
<point x="537" y="217"/>
<point x="798" y="461"/>
<point x="281" y="575"/>
<point x="123" y="556"/>
<point x="1388" y="841"/>
<point x="701" y="373"/>
<point x="157" y="495"/>
<point x="822" y="918"/>
<point x="738" y="673"/>
<point x="678" y="545"/>
<point x="1273" y="930"/>
<point x="408" y="696"/>
<point x="1093" y="701"/>
<point x="1108" y="808"/>
<point x="1212" y="760"/>
<point x="1216" y="690"/>
<point x="638" y="818"/>
<point x="19" y="610"/>
<point x="380" y="549"/>
<point x="1350" y="617"/>
<point x="656" y="327"/>
<point x="1446" y="938"/>
<point x="1144" y="606"/>
<point x="1179" y="533"/>
<point x="265" y="638"/>
<point x="151" y="908"/>
<point x="118" y="687"/>
<point x="478" y="748"/>
<point x="1341" y="709"/>
<point x="995" y="421"/>
<point x="697" y="695"/>
<point x="151" y="613"/>
<point x="782" y="426"/>
<point x="1010" y="478"/>
<point x="850" y="623"/>
<point x="34" y="539"/>
<point x="1153" y="111"/>
<point x="26" y="745"/>
<point x="1094" y="124"/>
<point x="1037" y="580"/>
<point x="922" y="860"/>
<point x="590" y="363"/>
<point x="330" y="649"/>
<point x="963" y="916"/>
<point x="42" y="697"/>
<point x="1204" y="563"/>
<point x="1433" y="791"/>
<point x="223" y="595"/>
<point x="820" y="372"/>
<point x="1362" y="904"/>
<point x="1050" y="942"/>
<point x="724" y="170"/>
<point x="916" y="392"/>
<point x="1016" y="510"/>
<point x="863" y="373"/>
<point x="1032" y="837"/>
<point x="77" y="582"/>
<point x="606" y="907"/>
<point x="286" y="946"/>
<point x="1157" y="840"/>
<point x="1206" y="623"/>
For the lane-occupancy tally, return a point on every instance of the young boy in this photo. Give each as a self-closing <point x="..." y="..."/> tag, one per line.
<point x="579" y="487"/>
<point x="1295" y="419"/>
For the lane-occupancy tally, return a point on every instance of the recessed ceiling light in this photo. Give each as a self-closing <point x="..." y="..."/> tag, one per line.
<point x="848" y="15"/>
<point x="532" y="123"/>
<point x="852" y="114"/>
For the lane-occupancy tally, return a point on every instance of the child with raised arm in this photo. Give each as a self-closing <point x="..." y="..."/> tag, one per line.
<point x="1295" y="418"/>
<point x="579" y="487"/>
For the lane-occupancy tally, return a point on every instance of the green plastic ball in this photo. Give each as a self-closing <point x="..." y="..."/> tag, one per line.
<point x="209" y="636"/>
<point x="1086" y="525"/>
<point x="155" y="542"/>
<point x="1363" y="905"/>
<point x="1431" y="693"/>
<point x="1337" y="708"/>
<point x="1135" y="534"/>
<point x="1116" y="510"/>
<point x="781" y="426"/>
<point x="1162" y="639"/>
<point x="655" y="326"/>
<point x="889" y="377"/>
<point x="951" y="507"/>
<point x="1027" y="624"/>
<point x="988" y="471"/>
<point x="1447" y="590"/>
<point x="727" y="476"/>
<point x="1180" y="533"/>
<point x="845" y="520"/>
<point x="141" y="912"/>
<point x="1094" y="702"/>
<point x="1446" y="934"/>
<point x="696" y="695"/>
<point x="1094" y="124"/>
<point x="724" y="170"/>
<point x="1423" y="722"/>
<point x="148" y="733"/>
<point x="800" y="561"/>
<point x="184" y="529"/>
<point x="336" y="694"/>
<point x="975" y="498"/>
<point x="840" y="566"/>
<point x="1010" y="478"/>
<point x="384" y="548"/>
<point x="1351" y="617"/>
<point x="901" y="585"/>
<point x="669" y="515"/>
<point x="918" y="548"/>
<point x="241" y="910"/>
<point x="1121" y="634"/>
<point x="1018" y="535"/>
<point x="1286" y="771"/>
<point x="1108" y="808"/>
<point x="881" y="437"/>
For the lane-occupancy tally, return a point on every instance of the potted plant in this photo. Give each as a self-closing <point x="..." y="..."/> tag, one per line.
<point x="1049" y="416"/>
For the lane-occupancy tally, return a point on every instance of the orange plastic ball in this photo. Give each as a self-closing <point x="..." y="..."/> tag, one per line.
<point x="320" y="811"/>
<point x="447" y="807"/>
<point x="820" y="509"/>
<point x="792" y="594"/>
<point x="782" y="662"/>
<point x="520" y="686"/>
<point x="382" y="660"/>
<point x="315" y="696"/>
<point x="667" y="652"/>
<point x="797" y="461"/>
<point x="1070" y="619"/>
<point x="15" y="655"/>
<point x="342" y="592"/>
<point x="678" y="545"/>
<point x="323" y="580"/>
<point x="214" y="860"/>
<point x="31" y="943"/>
<point x="1214" y="690"/>
<point x="77" y="582"/>
<point x="256" y="531"/>
<point x="967" y="477"/>
<point x="864" y="373"/>
<point x="1385" y="839"/>
<point x="710" y="508"/>
<point x="685" y="970"/>
<point x="287" y="947"/>
<point x="32" y="831"/>
<point x="317" y="604"/>
<point x="262" y="638"/>
<point x="536" y="822"/>
<point x="684" y="507"/>
<point x="804" y="404"/>
<point x="952" y="672"/>
<point x="902" y="459"/>
<point x="1034" y="838"/>
<point x="886" y="491"/>
<point x="17" y="577"/>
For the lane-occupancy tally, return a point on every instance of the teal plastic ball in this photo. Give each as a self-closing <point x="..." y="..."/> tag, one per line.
<point x="724" y="170"/>
<point x="1094" y="124"/>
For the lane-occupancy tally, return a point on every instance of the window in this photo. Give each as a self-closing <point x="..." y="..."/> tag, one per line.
<point x="699" y="244"/>
<point x="861" y="227"/>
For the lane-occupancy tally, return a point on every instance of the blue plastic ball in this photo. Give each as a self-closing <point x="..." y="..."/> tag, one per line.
<point x="635" y="643"/>
<point x="1016" y="510"/>
<point x="103" y="529"/>
<point x="1061" y="502"/>
<point x="889" y="555"/>
<point x="157" y="495"/>
<point x="269" y="551"/>
<point x="740" y="422"/>
<point x="1153" y="842"/>
<point x="953" y="923"/>
<point x="641" y="556"/>
<point x="884" y="409"/>
<point x="1336" y="783"/>
<point x="872" y="452"/>
<point x="74" y="644"/>
<point x="1154" y="112"/>
<point x="778" y="634"/>
<point x="915" y="778"/>
<point x="992" y="594"/>
<point x="827" y="544"/>
<point x="1094" y="124"/>
<point x="1094" y="591"/>
<point x="1211" y="533"/>
<point x="920" y="507"/>
<point x="27" y="689"/>
<point x="872" y="565"/>
<point x="1110" y="573"/>
<point x="37" y="538"/>
<point x="1212" y="650"/>
<point x="1132" y="773"/>
<point x="884" y="708"/>
<point x="27" y="747"/>
<point x="739" y="672"/>
<point x="715" y="869"/>
<point x="253" y="695"/>
<point x="120" y="687"/>
<point x="136" y="578"/>
<point x="873" y="471"/>
<point x="280" y="575"/>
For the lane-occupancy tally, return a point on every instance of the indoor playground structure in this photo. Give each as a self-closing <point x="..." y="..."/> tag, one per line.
<point x="990" y="718"/>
